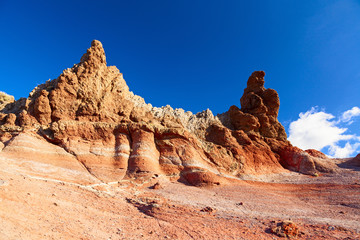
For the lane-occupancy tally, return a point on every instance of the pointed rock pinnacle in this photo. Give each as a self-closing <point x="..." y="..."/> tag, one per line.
<point x="95" y="55"/>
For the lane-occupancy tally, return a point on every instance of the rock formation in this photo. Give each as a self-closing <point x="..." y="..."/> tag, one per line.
<point x="353" y="162"/>
<point x="5" y="99"/>
<point x="90" y="112"/>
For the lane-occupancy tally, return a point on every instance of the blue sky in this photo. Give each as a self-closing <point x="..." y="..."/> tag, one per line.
<point x="199" y="54"/>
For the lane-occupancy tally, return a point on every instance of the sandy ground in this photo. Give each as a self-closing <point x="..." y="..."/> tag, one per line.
<point x="44" y="207"/>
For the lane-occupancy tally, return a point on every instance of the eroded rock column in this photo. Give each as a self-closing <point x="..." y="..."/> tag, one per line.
<point x="144" y="157"/>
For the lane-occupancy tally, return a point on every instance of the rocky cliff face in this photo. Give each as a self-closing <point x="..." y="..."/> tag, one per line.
<point x="90" y="112"/>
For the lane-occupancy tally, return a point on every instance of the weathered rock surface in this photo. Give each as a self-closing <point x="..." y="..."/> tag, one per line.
<point x="29" y="153"/>
<point x="90" y="112"/>
<point x="259" y="109"/>
<point x="353" y="162"/>
<point x="5" y="99"/>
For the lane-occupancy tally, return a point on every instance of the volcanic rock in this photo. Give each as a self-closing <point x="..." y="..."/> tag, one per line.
<point x="316" y="153"/>
<point x="286" y="229"/>
<point x="89" y="113"/>
<point x="260" y="107"/>
<point x="10" y="119"/>
<point x="354" y="161"/>
<point x="30" y="153"/>
<point x="295" y="159"/>
<point x="5" y="99"/>
<point x="42" y="109"/>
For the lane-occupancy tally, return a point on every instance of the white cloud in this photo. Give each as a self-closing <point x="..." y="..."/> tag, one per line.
<point x="343" y="152"/>
<point x="349" y="114"/>
<point x="318" y="130"/>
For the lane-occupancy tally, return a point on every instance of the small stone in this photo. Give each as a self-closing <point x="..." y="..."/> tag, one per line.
<point x="157" y="186"/>
<point x="286" y="229"/>
<point x="208" y="209"/>
<point x="331" y="228"/>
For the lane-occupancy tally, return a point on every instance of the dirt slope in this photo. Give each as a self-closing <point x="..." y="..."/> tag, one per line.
<point x="46" y="206"/>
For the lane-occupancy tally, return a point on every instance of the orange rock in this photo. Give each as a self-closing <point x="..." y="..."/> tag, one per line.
<point x="263" y="104"/>
<point x="286" y="229"/>
<point x="144" y="156"/>
<point x="42" y="109"/>
<point x="354" y="161"/>
<point x="316" y="153"/>
<point x="298" y="160"/>
<point x="10" y="119"/>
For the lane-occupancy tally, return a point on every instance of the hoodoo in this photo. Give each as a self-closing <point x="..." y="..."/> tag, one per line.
<point x="89" y="114"/>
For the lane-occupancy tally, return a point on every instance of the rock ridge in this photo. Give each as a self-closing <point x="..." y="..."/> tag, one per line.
<point x="90" y="112"/>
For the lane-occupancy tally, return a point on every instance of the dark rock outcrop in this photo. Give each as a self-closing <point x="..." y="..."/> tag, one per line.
<point x="259" y="109"/>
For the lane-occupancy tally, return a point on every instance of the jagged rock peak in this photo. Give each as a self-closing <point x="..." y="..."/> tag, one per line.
<point x="256" y="82"/>
<point x="95" y="55"/>
<point x="259" y="109"/>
